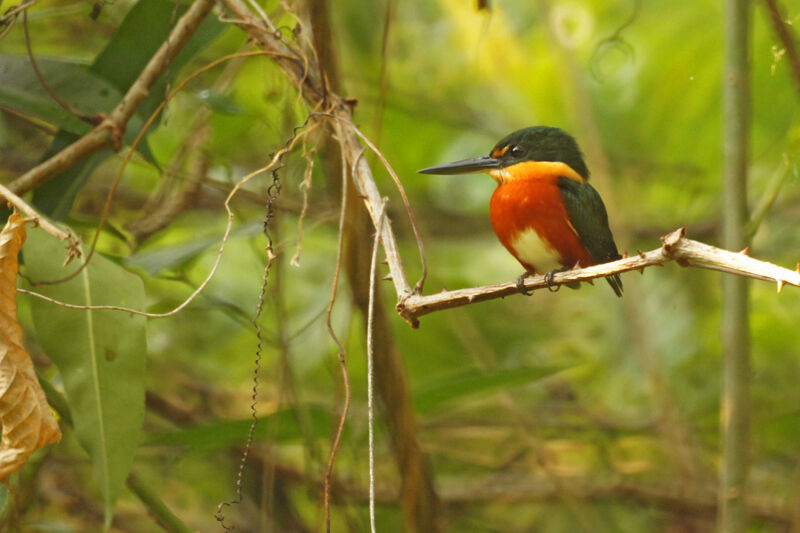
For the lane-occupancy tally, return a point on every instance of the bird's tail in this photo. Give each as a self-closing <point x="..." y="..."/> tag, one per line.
<point x="615" y="283"/>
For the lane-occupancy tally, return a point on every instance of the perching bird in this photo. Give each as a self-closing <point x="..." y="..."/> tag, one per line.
<point x="543" y="210"/>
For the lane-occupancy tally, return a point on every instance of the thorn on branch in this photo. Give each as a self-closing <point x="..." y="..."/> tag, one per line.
<point x="781" y="283"/>
<point x="387" y="277"/>
<point x="671" y="239"/>
<point x="745" y="251"/>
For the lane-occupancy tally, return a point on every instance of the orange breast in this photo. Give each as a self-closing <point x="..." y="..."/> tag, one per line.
<point x="521" y="205"/>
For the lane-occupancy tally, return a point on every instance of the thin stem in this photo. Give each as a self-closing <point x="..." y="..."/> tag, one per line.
<point x="787" y="39"/>
<point x="341" y="355"/>
<point x="735" y="401"/>
<point x="370" y="370"/>
<point x="155" y="505"/>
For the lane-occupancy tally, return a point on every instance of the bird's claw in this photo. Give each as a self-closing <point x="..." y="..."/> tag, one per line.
<point x="548" y="278"/>
<point x="521" y="284"/>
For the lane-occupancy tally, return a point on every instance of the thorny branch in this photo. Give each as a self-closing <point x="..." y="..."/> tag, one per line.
<point x="411" y="305"/>
<point x="676" y="247"/>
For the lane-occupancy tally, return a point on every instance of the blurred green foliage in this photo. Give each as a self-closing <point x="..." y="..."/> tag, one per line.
<point x="574" y="389"/>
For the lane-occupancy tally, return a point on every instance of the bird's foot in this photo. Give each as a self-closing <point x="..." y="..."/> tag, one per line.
<point x="548" y="278"/>
<point x="521" y="284"/>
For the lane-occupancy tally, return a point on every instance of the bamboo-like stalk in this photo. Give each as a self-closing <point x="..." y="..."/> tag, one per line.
<point x="735" y="401"/>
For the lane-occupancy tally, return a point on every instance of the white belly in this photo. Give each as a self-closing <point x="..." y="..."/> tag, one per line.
<point x="535" y="251"/>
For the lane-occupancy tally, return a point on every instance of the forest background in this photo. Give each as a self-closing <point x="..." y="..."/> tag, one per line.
<point x="568" y="411"/>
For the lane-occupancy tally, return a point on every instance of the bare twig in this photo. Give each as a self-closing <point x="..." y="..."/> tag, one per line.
<point x="109" y="131"/>
<point x="676" y="247"/>
<point x="294" y="66"/>
<point x="73" y="248"/>
<point x="12" y="12"/>
<point x="304" y="188"/>
<point x="9" y="18"/>
<point x="370" y="371"/>
<point x="342" y="360"/>
<point x="364" y="180"/>
<point x="365" y="184"/>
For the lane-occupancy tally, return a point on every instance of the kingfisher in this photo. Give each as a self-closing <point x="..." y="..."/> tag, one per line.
<point x="544" y="210"/>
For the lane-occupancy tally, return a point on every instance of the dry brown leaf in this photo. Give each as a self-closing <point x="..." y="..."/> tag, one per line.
<point x="26" y="419"/>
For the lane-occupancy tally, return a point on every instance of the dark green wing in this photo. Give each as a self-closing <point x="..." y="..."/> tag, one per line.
<point x="588" y="216"/>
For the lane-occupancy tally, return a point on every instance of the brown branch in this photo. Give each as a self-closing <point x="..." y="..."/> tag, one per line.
<point x="312" y="89"/>
<point x="368" y="190"/>
<point x="417" y="492"/>
<point x="109" y="132"/>
<point x="176" y="203"/>
<point x="681" y="498"/>
<point x="73" y="248"/>
<point x="10" y="16"/>
<point x="270" y="40"/>
<point x="676" y="247"/>
<point x="787" y="39"/>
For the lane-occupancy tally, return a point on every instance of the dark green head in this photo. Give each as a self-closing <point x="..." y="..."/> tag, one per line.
<point x="538" y="143"/>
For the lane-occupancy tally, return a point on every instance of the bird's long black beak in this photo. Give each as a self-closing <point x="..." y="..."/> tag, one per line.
<point x="465" y="166"/>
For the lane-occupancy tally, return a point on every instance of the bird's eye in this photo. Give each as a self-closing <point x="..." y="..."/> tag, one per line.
<point x="515" y="151"/>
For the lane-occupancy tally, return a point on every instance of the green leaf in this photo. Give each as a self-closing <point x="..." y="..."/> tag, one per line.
<point x="471" y="383"/>
<point x="100" y="354"/>
<point x="55" y="197"/>
<point x="279" y="426"/>
<point x="173" y="257"/>
<point x="143" y="30"/>
<point x="219" y="102"/>
<point x="87" y="93"/>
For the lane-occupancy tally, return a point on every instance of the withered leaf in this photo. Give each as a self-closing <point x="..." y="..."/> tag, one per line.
<point x="26" y="419"/>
